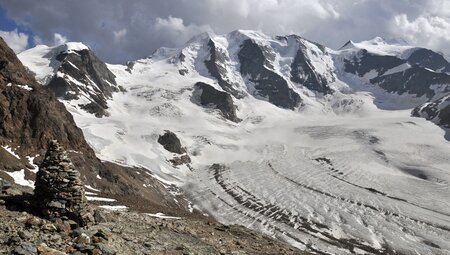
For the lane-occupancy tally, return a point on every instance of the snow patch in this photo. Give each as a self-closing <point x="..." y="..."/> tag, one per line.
<point x="103" y="199"/>
<point x="163" y="216"/>
<point x="11" y="151"/>
<point x="114" y="207"/>
<point x="19" y="178"/>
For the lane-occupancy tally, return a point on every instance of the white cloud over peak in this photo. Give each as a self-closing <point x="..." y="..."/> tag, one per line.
<point x="59" y="39"/>
<point x="173" y="29"/>
<point x="16" y="41"/>
<point x="431" y="31"/>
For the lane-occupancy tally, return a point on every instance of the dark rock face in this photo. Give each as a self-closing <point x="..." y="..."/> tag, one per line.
<point x="367" y="62"/>
<point x="171" y="142"/>
<point x="429" y="59"/>
<point x="216" y="68"/>
<point x="59" y="192"/>
<point x="209" y="96"/>
<point x="302" y="71"/>
<point x="415" y="80"/>
<point x="437" y="111"/>
<point x="31" y="118"/>
<point x="11" y="69"/>
<point x="83" y="67"/>
<point x="256" y="62"/>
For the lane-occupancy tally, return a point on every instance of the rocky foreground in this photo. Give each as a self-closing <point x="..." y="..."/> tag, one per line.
<point x="57" y="219"/>
<point x="24" y="233"/>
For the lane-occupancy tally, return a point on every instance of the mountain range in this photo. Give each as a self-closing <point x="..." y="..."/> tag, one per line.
<point x="321" y="148"/>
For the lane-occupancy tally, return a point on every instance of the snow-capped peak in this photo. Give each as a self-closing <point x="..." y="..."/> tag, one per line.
<point x="42" y="59"/>
<point x="70" y="47"/>
<point x="380" y="46"/>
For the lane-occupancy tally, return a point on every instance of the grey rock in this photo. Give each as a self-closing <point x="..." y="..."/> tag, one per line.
<point x="25" y="249"/>
<point x="437" y="111"/>
<point x="26" y="235"/>
<point x="84" y="248"/>
<point x="83" y="238"/>
<point x="415" y="80"/>
<point x="105" y="249"/>
<point x="171" y="142"/>
<point x="86" y="68"/>
<point x="303" y="71"/>
<point x="99" y="217"/>
<point x="256" y="62"/>
<point x="215" y="66"/>
<point x="209" y="96"/>
<point x="429" y="59"/>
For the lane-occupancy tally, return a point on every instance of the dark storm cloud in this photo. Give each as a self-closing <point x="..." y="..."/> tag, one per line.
<point x="120" y="30"/>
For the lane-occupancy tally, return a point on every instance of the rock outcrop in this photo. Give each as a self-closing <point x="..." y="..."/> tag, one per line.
<point x="416" y="78"/>
<point x="216" y="66"/>
<point x="437" y="111"/>
<point x="82" y="74"/>
<point x="304" y="72"/>
<point x="211" y="97"/>
<point x="171" y="142"/>
<point x="59" y="192"/>
<point x="257" y="64"/>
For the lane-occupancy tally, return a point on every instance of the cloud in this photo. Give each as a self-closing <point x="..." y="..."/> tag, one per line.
<point x="17" y="41"/>
<point x="59" y="39"/>
<point x="173" y="29"/>
<point x="139" y="27"/>
<point x="431" y="31"/>
<point x="120" y="35"/>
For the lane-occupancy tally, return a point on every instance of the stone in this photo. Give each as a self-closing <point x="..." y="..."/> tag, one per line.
<point x="105" y="249"/>
<point x="83" y="238"/>
<point x="33" y="222"/>
<point x="84" y="248"/>
<point x="62" y="226"/>
<point x="25" y="249"/>
<point x="99" y="217"/>
<point x="101" y="236"/>
<point x="48" y="227"/>
<point x="43" y="249"/>
<point x="72" y="224"/>
<point x="59" y="196"/>
<point x="24" y="234"/>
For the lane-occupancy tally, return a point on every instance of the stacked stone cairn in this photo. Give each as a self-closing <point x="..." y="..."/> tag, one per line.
<point x="59" y="192"/>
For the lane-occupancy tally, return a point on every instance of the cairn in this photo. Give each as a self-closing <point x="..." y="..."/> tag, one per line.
<point x="58" y="192"/>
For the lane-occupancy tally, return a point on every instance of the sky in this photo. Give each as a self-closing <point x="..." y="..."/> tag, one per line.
<point x="123" y="30"/>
